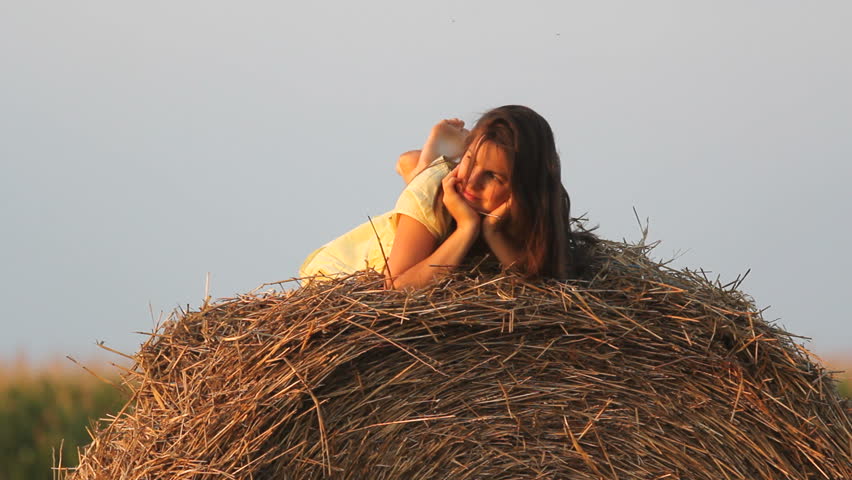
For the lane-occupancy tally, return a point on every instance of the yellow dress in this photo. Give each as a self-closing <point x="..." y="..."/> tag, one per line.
<point x="358" y="249"/>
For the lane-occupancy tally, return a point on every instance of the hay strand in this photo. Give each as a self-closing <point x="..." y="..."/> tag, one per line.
<point x="642" y="372"/>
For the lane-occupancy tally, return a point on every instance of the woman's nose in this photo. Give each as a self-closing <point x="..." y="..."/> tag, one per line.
<point x="474" y="180"/>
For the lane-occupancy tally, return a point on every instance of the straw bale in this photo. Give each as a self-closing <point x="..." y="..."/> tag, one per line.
<point x="642" y="372"/>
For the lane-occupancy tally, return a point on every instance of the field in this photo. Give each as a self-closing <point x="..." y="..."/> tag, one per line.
<point x="841" y="365"/>
<point x="39" y="408"/>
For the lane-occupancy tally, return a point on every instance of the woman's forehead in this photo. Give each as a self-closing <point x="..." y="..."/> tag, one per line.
<point x="492" y="157"/>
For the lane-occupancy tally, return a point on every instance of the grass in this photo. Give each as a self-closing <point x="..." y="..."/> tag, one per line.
<point x="841" y="366"/>
<point x="44" y="408"/>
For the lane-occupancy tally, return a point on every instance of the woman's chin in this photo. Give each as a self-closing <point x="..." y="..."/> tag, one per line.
<point x="475" y="205"/>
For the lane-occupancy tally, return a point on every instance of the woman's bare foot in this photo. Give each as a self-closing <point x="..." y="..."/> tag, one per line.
<point x="406" y="165"/>
<point x="447" y="138"/>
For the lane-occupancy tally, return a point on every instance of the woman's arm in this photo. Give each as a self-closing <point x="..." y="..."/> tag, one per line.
<point x="416" y="258"/>
<point x="499" y="243"/>
<point x="502" y="247"/>
<point x="415" y="261"/>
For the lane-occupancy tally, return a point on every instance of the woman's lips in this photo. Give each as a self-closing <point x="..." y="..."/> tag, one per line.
<point x="470" y="197"/>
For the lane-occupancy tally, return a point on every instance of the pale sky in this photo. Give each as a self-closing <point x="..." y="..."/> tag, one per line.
<point x="144" y="144"/>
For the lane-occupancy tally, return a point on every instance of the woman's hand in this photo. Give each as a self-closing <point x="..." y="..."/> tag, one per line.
<point x="417" y="257"/>
<point x="465" y="216"/>
<point x="493" y="221"/>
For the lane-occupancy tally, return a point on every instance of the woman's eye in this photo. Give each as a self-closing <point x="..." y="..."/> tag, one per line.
<point x="494" y="176"/>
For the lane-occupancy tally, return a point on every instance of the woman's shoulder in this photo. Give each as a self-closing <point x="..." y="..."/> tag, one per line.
<point x="434" y="173"/>
<point x="420" y="201"/>
<point x="427" y="182"/>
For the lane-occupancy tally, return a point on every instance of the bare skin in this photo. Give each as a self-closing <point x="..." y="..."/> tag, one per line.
<point x="476" y="193"/>
<point x="416" y="259"/>
<point x="500" y="244"/>
<point x="487" y="189"/>
<point x="406" y="165"/>
<point x="445" y="139"/>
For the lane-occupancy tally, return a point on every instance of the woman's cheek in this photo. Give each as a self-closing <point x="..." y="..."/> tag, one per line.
<point x="504" y="196"/>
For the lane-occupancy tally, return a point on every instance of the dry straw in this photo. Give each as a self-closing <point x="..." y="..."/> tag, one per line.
<point x="642" y="373"/>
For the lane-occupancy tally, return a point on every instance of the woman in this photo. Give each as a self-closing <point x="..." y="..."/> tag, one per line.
<point x="505" y="192"/>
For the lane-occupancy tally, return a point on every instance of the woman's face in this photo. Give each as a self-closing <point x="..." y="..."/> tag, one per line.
<point x="488" y="181"/>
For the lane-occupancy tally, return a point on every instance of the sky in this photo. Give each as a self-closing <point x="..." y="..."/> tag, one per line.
<point x="145" y="145"/>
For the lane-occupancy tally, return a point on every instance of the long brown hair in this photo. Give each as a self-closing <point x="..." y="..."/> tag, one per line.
<point x="540" y="221"/>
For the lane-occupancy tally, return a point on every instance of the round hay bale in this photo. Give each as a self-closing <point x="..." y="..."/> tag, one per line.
<point x="643" y="372"/>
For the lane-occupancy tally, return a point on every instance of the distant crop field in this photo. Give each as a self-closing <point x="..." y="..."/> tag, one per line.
<point x="841" y="365"/>
<point x="43" y="409"/>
